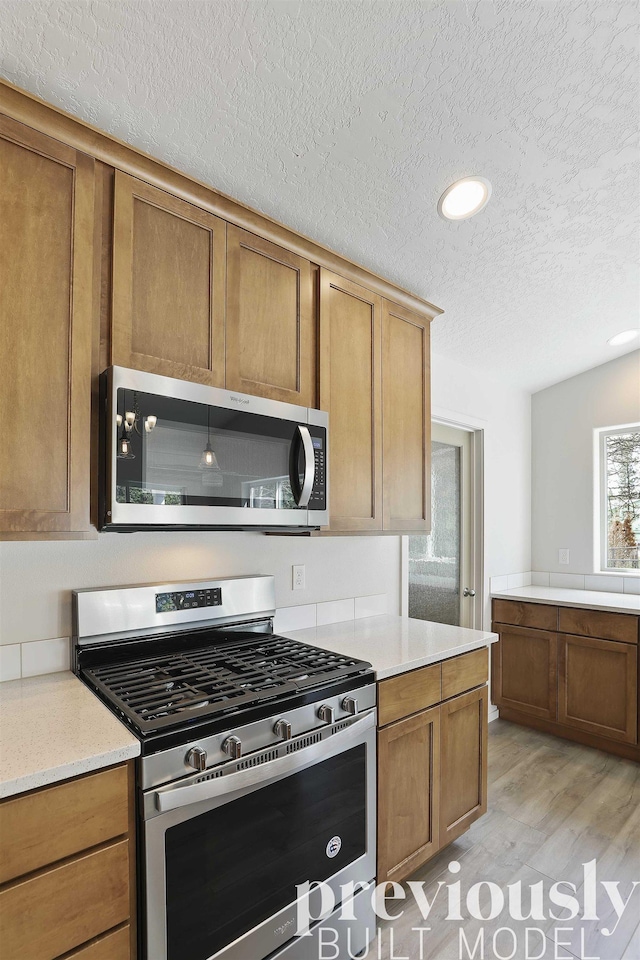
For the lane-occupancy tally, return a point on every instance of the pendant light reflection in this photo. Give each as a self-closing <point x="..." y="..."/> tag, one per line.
<point x="211" y="472"/>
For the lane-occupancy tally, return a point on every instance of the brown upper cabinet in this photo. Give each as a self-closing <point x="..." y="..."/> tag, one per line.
<point x="271" y="320"/>
<point x="46" y="244"/>
<point x="168" y="284"/>
<point x="111" y="257"/>
<point x="351" y="393"/>
<point x="406" y="420"/>
<point x="374" y="383"/>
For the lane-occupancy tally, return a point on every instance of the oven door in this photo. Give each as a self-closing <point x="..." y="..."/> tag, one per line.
<point x="223" y="856"/>
<point x="183" y="454"/>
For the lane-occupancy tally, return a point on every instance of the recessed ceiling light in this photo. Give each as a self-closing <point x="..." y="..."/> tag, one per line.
<point x="626" y="337"/>
<point x="464" y="198"/>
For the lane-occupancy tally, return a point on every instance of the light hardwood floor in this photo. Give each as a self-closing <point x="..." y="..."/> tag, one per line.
<point x="553" y="805"/>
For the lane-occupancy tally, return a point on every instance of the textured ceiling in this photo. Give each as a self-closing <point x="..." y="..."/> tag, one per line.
<point x="346" y="120"/>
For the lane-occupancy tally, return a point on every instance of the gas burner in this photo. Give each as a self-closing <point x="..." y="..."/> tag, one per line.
<point x="219" y="673"/>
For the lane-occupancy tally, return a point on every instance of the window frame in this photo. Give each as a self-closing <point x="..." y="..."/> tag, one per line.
<point x="601" y="505"/>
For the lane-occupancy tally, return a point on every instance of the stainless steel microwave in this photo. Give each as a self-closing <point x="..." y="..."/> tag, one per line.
<point x="179" y="455"/>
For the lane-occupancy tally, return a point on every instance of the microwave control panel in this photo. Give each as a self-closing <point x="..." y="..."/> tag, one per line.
<point x="318" y="499"/>
<point x="188" y="600"/>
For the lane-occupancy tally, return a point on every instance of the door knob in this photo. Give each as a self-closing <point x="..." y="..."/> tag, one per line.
<point x="468" y="593"/>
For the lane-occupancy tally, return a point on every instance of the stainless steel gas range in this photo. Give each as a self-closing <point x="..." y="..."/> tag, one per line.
<point x="256" y="774"/>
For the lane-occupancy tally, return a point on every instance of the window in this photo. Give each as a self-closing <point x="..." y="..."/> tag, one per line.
<point x="620" y="498"/>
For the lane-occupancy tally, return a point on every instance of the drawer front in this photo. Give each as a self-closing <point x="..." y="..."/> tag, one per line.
<point x="61" y="908"/>
<point x="408" y="693"/>
<point x="597" y="623"/>
<point x="537" y="615"/>
<point x="113" y="946"/>
<point x="39" y="828"/>
<point x="465" y="672"/>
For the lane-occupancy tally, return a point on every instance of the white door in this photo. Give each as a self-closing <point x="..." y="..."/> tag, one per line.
<point x="441" y="565"/>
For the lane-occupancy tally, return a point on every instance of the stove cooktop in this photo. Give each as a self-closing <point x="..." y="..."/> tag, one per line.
<point x="178" y="686"/>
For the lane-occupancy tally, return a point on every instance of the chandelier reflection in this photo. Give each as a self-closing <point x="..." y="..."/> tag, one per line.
<point x="126" y="426"/>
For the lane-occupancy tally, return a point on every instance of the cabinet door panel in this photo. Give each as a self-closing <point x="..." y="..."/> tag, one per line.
<point x="46" y="239"/>
<point x="408" y="803"/>
<point x="271" y="321"/>
<point x="168" y="284"/>
<point x="597" y="690"/>
<point x="406" y="419"/>
<point x="350" y="378"/>
<point x="463" y="763"/>
<point x="525" y="670"/>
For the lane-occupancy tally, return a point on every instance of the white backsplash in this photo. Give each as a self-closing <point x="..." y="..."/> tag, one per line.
<point x="51" y="656"/>
<point x="603" y="583"/>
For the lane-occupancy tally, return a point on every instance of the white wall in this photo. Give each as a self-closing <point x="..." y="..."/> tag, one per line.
<point x="563" y="419"/>
<point x="36" y="578"/>
<point x="505" y="416"/>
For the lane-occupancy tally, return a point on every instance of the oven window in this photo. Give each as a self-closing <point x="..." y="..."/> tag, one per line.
<point x="232" y="867"/>
<point x="180" y="453"/>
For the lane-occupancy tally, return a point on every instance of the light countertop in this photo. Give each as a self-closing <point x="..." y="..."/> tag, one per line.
<point x="392" y="644"/>
<point x="591" y="599"/>
<point x="53" y="727"/>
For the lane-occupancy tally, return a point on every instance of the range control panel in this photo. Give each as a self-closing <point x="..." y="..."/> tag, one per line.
<point x="188" y="600"/>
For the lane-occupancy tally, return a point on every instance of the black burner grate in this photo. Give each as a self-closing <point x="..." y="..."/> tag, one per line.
<point x="176" y="687"/>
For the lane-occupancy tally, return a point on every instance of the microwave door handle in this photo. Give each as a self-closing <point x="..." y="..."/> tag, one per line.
<point x="175" y="797"/>
<point x="309" y="466"/>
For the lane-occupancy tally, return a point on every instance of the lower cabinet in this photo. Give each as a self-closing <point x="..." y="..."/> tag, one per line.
<point x="597" y="687"/>
<point x="67" y="855"/>
<point x="580" y="686"/>
<point x="432" y="764"/>
<point x="463" y="762"/>
<point x="525" y="669"/>
<point x="408" y="795"/>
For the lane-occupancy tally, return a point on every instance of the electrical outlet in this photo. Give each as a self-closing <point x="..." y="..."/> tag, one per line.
<point x="297" y="572"/>
<point x="563" y="555"/>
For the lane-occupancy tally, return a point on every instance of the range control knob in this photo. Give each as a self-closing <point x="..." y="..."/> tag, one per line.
<point x="232" y="746"/>
<point x="350" y="704"/>
<point x="197" y="758"/>
<point x="282" y="728"/>
<point x="326" y="713"/>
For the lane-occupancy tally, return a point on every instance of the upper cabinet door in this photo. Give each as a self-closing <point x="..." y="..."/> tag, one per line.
<point x="406" y="419"/>
<point x="168" y="285"/>
<point x="350" y="390"/>
<point x="46" y="269"/>
<point x="271" y="321"/>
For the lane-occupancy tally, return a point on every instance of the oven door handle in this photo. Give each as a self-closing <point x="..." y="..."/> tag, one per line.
<point x="172" y="798"/>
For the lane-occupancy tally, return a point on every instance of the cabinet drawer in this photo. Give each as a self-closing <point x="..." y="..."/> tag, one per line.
<point x="464" y="672"/>
<point x="61" y="908"/>
<point x="408" y="693"/>
<point x="598" y="623"/>
<point x="39" y="828"/>
<point x="538" y="615"/>
<point x="113" y="946"/>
